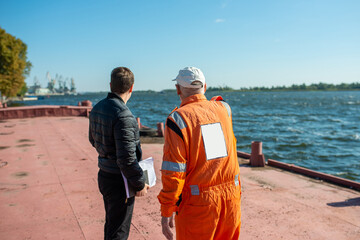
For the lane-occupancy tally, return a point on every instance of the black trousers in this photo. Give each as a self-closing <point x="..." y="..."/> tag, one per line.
<point x="118" y="209"/>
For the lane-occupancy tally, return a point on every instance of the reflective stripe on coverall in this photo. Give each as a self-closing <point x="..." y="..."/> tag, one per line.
<point x="200" y="164"/>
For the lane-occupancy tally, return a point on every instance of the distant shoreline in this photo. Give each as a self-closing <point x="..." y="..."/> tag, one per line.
<point x="297" y="88"/>
<point x="303" y="87"/>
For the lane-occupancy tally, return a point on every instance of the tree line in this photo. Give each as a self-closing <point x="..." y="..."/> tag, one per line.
<point x="302" y="87"/>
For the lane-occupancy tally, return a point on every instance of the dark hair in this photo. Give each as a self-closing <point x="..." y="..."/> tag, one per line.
<point x="121" y="79"/>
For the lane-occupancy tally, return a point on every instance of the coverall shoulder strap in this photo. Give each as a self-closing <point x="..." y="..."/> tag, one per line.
<point x="175" y="122"/>
<point x="171" y="125"/>
<point x="176" y="117"/>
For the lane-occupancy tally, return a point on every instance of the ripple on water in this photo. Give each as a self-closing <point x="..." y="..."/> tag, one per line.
<point x="340" y="138"/>
<point x="297" y="145"/>
<point x="356" y="136"/>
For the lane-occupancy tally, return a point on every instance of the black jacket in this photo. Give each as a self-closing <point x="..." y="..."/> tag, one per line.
<point x="114" y="132"/>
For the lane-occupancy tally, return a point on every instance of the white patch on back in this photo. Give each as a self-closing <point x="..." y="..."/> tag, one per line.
<point x="214" y="141"/>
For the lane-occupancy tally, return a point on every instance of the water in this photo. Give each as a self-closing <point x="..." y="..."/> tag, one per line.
<point x="316" y="130"/>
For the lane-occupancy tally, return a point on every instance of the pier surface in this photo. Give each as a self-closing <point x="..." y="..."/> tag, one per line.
<point x="48" y="190"/>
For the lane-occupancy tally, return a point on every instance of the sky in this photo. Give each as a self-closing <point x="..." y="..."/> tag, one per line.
<point x="238" y="43"/>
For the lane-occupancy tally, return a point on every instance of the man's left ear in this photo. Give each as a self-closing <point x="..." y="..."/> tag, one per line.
<point x="205" y="88"/>
<point x="131" y="88"/>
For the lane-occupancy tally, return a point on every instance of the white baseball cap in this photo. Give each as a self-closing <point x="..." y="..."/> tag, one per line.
<point x="188" y="76"/>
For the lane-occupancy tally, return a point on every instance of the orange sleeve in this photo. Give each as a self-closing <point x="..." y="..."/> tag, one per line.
<point x="173" y="172"/>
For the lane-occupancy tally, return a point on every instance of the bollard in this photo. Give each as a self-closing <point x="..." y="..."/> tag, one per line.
<point x="257" y="158"/>
<point x="138" y="121"/>
<point x="160" y="129"/>
<point x="86" y="103"/>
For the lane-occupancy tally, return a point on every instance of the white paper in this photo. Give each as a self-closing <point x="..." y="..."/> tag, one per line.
<point x="147" y="166"/>
<point x="214" y="141"/>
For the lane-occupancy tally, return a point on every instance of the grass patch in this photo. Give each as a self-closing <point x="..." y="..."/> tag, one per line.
<point x="21" y="174"/>
<point x="25" y="145"/>
<point x="25" y="140"/>
<point x="6" y="133"/>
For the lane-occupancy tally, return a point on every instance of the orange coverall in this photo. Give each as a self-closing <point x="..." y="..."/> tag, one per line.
<point x="201" y="181"/>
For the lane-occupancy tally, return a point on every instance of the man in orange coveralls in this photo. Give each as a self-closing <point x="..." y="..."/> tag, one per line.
<point x="200" y="171"/>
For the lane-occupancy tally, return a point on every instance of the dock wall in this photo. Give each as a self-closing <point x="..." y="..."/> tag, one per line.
<point x="43" y="111"/>
<point x="315" y="174"/>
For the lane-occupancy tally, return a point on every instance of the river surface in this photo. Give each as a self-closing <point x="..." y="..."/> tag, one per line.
<point x="316" y="130"/>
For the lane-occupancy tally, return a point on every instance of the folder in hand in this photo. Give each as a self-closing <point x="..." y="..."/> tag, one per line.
<point x="147" y="166"/>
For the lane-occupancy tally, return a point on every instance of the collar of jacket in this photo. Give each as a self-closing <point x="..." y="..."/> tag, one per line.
<point x="193" y="98"/>
<point x="114" y="95"/>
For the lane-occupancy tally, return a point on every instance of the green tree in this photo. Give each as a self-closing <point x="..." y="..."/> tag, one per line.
<point x="22" y="90"/>
<point x="14" y="66"/>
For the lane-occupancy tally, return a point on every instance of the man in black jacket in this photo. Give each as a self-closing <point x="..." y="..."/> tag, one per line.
<point x="114" y="132"/>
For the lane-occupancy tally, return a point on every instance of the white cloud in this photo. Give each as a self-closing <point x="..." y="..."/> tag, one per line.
<point x="219" y="20"/>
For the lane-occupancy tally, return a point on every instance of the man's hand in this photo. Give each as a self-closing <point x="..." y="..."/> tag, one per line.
<point x="143" y="192"/>
<point x="166" y="224"/>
